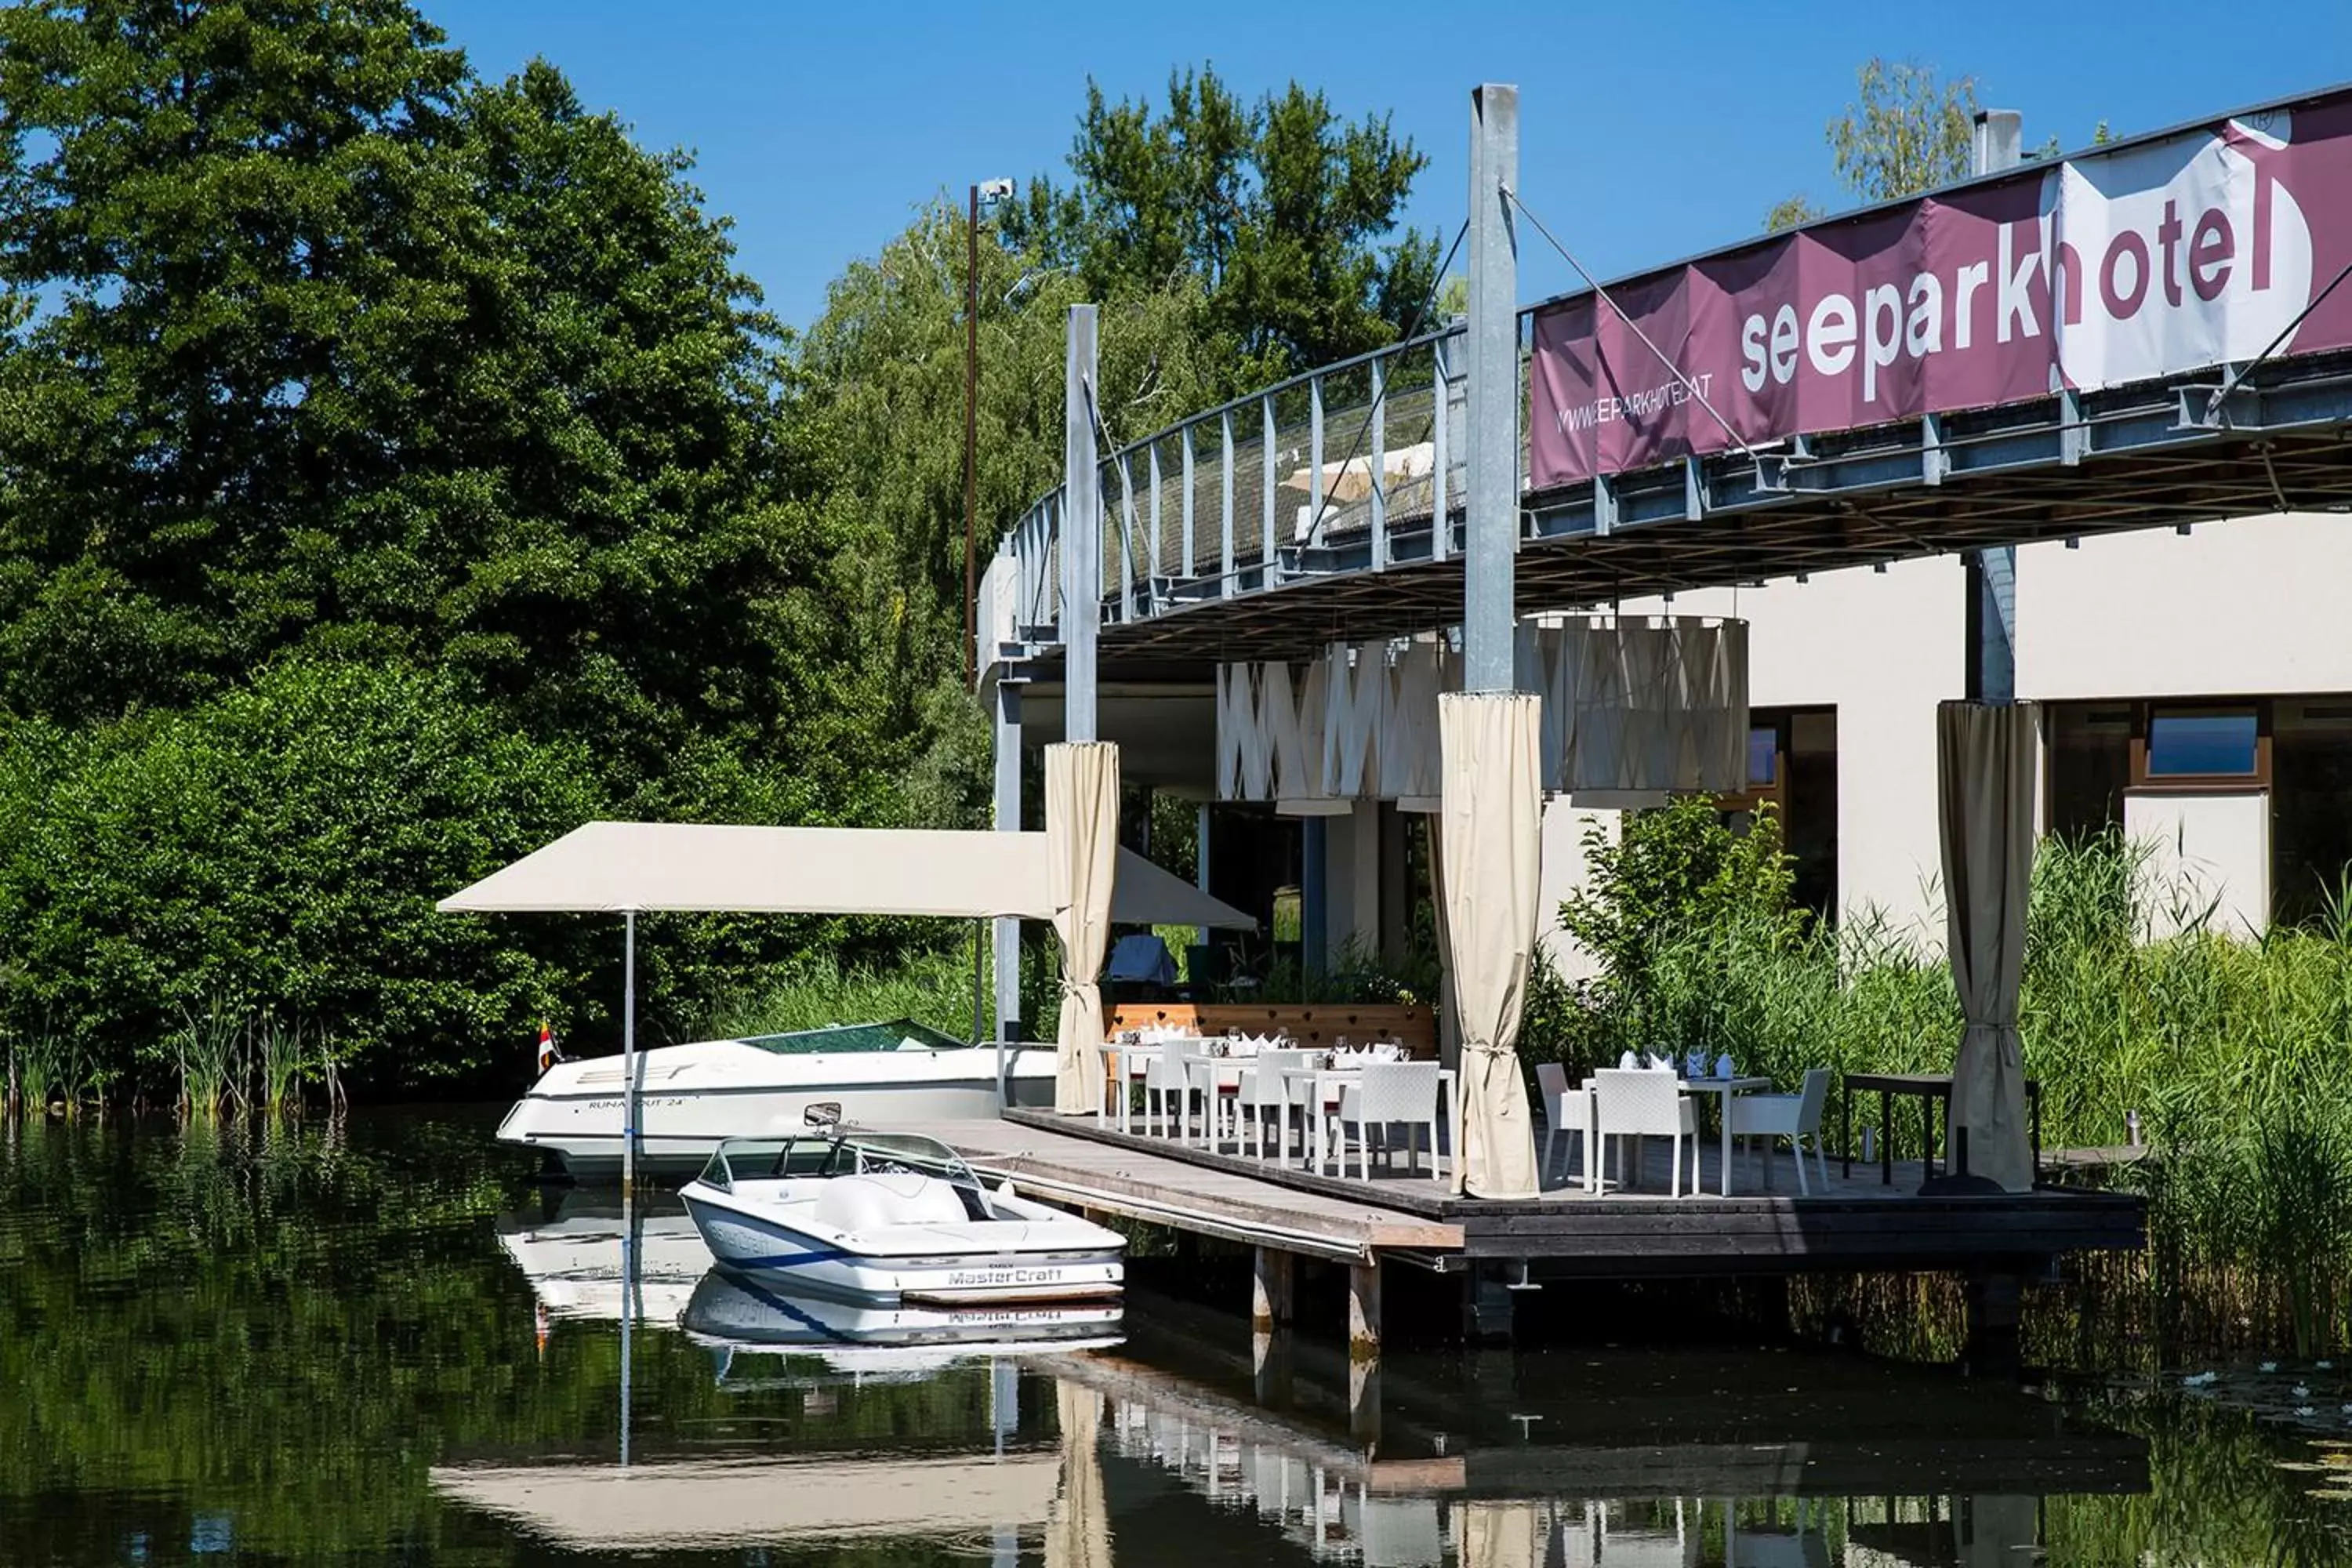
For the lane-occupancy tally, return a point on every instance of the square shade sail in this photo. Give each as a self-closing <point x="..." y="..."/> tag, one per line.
<point x="613" y="867"/>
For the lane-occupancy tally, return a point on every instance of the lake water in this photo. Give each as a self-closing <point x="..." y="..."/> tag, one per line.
<point x="379" y="1343"/>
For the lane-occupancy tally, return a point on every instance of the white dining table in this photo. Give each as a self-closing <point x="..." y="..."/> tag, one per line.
<point x="1722" y="1087"/>
<point x="1323" y="1096"/>
<point x="1129" y="1060"/>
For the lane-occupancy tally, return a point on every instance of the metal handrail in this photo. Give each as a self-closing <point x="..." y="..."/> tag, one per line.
<point x="1154" y="548"/>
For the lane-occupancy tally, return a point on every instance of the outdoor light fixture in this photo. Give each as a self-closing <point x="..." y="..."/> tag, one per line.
<point x="2072" y="543"/>
<point x="990" y="192"/>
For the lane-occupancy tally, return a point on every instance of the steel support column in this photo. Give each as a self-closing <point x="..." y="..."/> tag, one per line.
<point x="1081" y="528"/>
<point x="1990" y="673"/>
<point x="1008" y="820"/>
<point x="1314" y="894"/>
<point x="1491" y="533"/>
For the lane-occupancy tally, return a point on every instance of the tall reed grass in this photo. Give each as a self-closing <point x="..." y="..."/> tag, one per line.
<point x="2235" y="1052"/>
<point x="933" y="988"/>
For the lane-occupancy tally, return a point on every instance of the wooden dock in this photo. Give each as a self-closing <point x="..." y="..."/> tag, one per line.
<point x="1848" y="1224"/>
<point x="1139" y="1179"/>
<point x="1851" y="1222"/>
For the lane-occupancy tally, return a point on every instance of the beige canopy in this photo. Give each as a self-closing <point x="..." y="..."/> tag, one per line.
<point x="1984" y="758"/>
<point x="1081" y="834"/>
<point x="771" y="1501"/>
<point x="612" y="867"/>
<point x="1491" y="824"/>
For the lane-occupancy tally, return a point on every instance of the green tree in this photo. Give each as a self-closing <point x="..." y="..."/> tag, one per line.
<point x="351" y="352"/>
<point x="1675" y="872"/>
<point x="1282" y="211"/>
<point x="281" y="847"/>
<point x="879" y="437"/>
<point x="1907" y="132"/>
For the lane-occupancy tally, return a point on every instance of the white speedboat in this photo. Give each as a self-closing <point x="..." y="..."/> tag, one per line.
<point x="733" y="1313"/>
<point x="892" y="1217"/>
<point x="572" y="1255"/>
<point x="692" y="1096"/>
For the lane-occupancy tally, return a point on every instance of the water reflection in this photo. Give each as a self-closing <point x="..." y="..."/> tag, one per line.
<point x="387" y="1348"/>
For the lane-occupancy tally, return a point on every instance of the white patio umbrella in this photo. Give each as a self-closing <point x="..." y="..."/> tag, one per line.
<point x="1492" y="823"/>
<point x="1984" y="757"/>
<point x="1082" y="844"/>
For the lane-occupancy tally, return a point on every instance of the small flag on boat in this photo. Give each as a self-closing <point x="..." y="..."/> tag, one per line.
<point x="548" y="1055"/>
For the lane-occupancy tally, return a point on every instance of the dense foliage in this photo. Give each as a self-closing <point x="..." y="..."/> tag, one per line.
<point x="395" y="470"/>
<point x="1279" y="209"/>
<point x="2231" y="1052"/>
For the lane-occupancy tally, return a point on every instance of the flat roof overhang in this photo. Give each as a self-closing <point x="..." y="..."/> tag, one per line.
<point x="2158" y="454"/>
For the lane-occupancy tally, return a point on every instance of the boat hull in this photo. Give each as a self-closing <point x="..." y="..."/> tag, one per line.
<point x="765" y="1249"/>
<point x="692" y="1098"/>
<point x="733" y="1311"/>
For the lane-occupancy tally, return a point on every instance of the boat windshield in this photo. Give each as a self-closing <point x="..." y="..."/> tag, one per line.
<point x="892" y="1034"/>
<point x="840" y="1152"/>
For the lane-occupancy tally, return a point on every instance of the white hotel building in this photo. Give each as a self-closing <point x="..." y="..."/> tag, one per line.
<point x="2195" y="688"/>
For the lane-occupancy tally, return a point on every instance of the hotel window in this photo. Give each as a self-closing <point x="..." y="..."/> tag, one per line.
<point x="2182" y="744"/>
<point x="2089" y="767"/>
<point x="2295" y="750"/>
<point x="1792" y="763"/>
<point x="2310" y="804"/>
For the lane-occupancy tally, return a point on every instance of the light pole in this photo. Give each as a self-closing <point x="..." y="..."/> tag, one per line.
<point x="993" y="190"/>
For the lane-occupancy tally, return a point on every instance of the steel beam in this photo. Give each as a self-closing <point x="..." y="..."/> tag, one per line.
<point x="1081" y="527"/>
<point x="1007" y="933"/>
<point x="1990" y="618"/>
<point x="1491" y="532"/>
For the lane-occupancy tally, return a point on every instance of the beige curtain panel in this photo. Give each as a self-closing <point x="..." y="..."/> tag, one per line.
<point x="1984" y="757"/>
<point x="1082" y="845"/>
<point x="1491" y="819"/>
<point x="1077" y="1535"/>
<point x="1449" y="1028"/>
<point x="1502" y="1534"/>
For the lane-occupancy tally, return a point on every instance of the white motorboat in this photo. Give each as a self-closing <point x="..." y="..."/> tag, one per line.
<point x="572" y="1255"/>
<point x="892" y="1217"/>
<point x="692" y="1096"/>
<point x="732" y="1314"/>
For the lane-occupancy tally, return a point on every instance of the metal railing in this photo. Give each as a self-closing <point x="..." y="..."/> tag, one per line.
<point x="1348" y="458"/>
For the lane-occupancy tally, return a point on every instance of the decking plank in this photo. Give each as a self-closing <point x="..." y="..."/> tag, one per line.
<point x="1141" y="1183"/>
<point x="1856" y="1222"/>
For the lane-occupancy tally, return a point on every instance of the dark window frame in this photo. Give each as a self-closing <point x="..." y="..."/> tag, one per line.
<point x="2144" y="713"/>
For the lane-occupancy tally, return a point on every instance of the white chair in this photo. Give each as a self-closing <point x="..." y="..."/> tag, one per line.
<point x="1563" y="1112"/>
<point x="1166" y="1076"/>
<point x="1394" y="1533"/>
<point x="1386" y="1094"/>
<point x="1644" y="1104"/>
<point x="1265" y="1091"/>
<point x="1795" y="1116"/>
<point x="1217" y="1080"/>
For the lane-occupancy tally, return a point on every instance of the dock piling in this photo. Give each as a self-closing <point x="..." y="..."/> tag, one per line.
<point x="1272" y="1283"/>
<point x="1364" y="1311"/>
<point x="1995" y="1304"/>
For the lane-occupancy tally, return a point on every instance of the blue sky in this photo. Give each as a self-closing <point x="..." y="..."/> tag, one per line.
<point x="1648" y="132"/>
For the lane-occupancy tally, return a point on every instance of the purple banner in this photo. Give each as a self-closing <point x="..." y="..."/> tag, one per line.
<point x="2160" y="258"/>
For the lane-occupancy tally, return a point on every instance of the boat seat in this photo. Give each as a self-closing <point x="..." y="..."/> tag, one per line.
<point x="863" y="1203"/>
